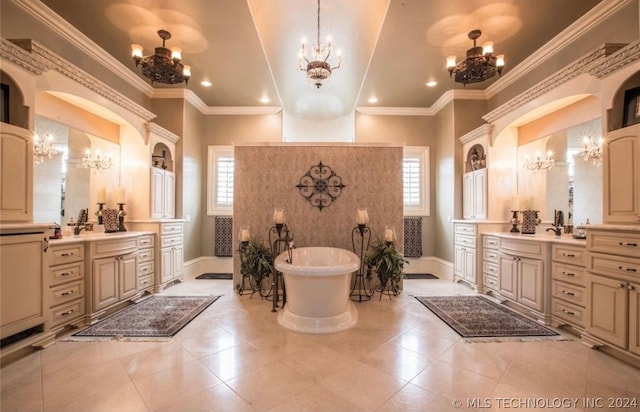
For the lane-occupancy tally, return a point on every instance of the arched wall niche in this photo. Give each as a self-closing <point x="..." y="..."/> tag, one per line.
<point x="14" y="110"/>
<point x="476" y="158"/>
<point x="616" y="114"/>
<point x="162" y="157"/>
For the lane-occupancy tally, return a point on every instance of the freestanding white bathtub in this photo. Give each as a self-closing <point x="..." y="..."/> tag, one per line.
<point x="318" y="286"/>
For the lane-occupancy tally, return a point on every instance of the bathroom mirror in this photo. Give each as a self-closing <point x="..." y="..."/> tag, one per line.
<point x="62" y="184"/>
<point x="572" y="184"/>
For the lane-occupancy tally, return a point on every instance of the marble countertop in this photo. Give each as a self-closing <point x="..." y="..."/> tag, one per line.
<point x="541" y="237"/>
<point x="92" y="237"/>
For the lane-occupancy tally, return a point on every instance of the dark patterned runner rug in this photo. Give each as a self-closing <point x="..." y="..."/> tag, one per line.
<point x="215" y="276"/>
<point x="157" y="316"/>
<point x="478" y="317"/>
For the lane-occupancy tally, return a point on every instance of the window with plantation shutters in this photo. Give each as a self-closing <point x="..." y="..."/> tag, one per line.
<point x="220" y="184"/>
<point x="415" y="177"/>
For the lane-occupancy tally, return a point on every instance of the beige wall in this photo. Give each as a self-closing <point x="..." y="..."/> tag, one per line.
<point x="444" y="159"/>
<point x="266" y="177"/>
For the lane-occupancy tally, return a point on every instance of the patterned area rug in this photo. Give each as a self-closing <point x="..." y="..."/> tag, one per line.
<point x="215" y="276"/>
<point x="158" y="316"/>
<point x="478" y="317"/>
<point x="420" y="276"/>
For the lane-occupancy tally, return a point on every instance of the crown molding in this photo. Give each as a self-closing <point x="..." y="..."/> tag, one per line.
<point x="578" y="67"/>
<point x="578" y="28"/>
<point x="395" y="111"/>
<point x="619" y="58"/>
<point x="243" y="110"/>
<point x="50" y="60"/>
<point x="157" y="130"/>
<point x="484" y="130"/>
<point x="44" y="14"/>
<point x="457" y="94"/>
<point x="19" y="56"/>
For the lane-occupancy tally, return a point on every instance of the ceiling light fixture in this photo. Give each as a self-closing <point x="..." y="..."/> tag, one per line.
<point x="317" y="66"/>
<point x="538" y="163"/>
<point x="43" y="148"/>
<point x="431" y="83"/>
<point x="206" y="83"/>
<point x="373" y="99"/>
<point x="479" y="65"/>
<point x="164" y="66"/>
<point x="98" y="162"/>
<point x="592" y="150"/>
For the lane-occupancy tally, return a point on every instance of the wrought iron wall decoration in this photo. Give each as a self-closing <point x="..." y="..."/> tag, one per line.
<point x="320" y="186"/>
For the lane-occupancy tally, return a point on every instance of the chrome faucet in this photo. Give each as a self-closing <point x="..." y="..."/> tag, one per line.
<point x="556" y="229"/>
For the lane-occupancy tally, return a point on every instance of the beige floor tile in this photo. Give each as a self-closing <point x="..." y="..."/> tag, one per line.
<point x="412" y="398"/>
<point x="172" y="385"/>
<point x="316" y="399"/>
<point x="24" y="371"/>
<point x="124" y="398"/>
<point x="155" y="359"/>
<point x="363" y="385"/>
<point x="454" y="382"/>
<point x="219" y="398"/>
<point x="211" y="342"/>
<point x="26" y="397"/>
<point x="317" y="362"/>
<point x="396" y="360"/>
<point x="232" y="362"/>
<point x="477" y="358"/>
<point x="267" y="386"/>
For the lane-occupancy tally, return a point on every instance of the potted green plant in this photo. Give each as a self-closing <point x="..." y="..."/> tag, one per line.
<point x="384" y="259"/>
<point x="256" y="261"/>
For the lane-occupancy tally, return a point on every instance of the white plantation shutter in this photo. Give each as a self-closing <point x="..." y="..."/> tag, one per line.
<point x="224" y="181"/>
<point x="411" y="179"/>
<point x="220" y="171"/>
<point x="415" y="178"/>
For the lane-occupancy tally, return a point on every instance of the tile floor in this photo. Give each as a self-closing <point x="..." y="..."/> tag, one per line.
<point x="235" y="357"/>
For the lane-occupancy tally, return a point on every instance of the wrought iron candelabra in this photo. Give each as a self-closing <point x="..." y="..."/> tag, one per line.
<point x="121" y="215"/>
<point x="99" y="212"/>
<point x="514" y="222"/>
<point x="360" y="235"/>
<point x="281" y="240"/>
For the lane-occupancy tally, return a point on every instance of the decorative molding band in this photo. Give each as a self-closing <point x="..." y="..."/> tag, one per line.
<point x="562" y="76"/>
<point x="76" y="38"/>
<point x="57" y="63"/>
<point x="619" y="58"/>
<point x="457" y="94"/>
<point x="593" y="17"/>
<point x="395" y="111"/>
<point x="15" y="54"/>
<point x="243" y="110"/>
<point x="484" y="130"/>
<point x="155" y="129"/>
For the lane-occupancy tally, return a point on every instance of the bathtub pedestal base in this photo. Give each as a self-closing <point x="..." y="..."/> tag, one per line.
<point x="329" y="324"/>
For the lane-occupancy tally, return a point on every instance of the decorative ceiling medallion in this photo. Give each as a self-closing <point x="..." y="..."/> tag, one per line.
<point x="320" y="186"/>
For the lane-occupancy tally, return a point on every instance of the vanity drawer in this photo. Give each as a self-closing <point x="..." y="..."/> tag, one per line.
<point x="145" y="282"/>
<point x="67" y="312"/>
<point x="65" y="273"/>
<point x="171" y="228"/>
<point x="145" y="255"/>
<point x="615" y="243"/>
<point x="568" y="254"/>
<point x="115" y="247"/>
<point x="171" y="240"/>
<point x="615" y="266"/>
<point x="569" y="273"/>
<point x="145" y="241"/>
<point x="465" y="229"/>
<point x="516" y="247"/>
<point x="571" y="313"/>
<point x="490" y="282"/>
<point x="145" y="268"/>
<point x="490" y="268"/>
<point x="67" y="292"/>
<point x="490" y="255"/>
<point x="66" y="254"/>
<point x="489" y="242"/>
<point x="468" y="241"/>
<point x="570" y="293"/>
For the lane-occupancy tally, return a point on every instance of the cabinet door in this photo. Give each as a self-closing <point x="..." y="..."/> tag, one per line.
<point x="169" y="195"/>
<point x="127" y="275"/>
<point x="157" y="187"/>
<point x="16" y="174"/>
<point x="607" y="316"/>
<point x="480" y="194"/>
<point x="508" y="281"/>
<point x="458" y="264"/>
<point x="467" y="195"/>
<point x="21" y="283"/>
<point x="166" y="264"/>
<point x="470" y="265"/>
<point x="530" y="283"/>
<point x="178" y="260"/>
<point x="105" y="282"/>
<point x="621" y="171"/>
<point x="634" y="318"/>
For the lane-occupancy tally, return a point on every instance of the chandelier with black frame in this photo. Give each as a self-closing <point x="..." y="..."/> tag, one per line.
<point x="165" y="65"/>
<point x="479" y="65"/>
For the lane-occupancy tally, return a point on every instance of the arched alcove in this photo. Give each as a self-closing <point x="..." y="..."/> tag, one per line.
<point x="625" y="109"/>
<point x="162" y="157"/>
<point x="476" y="158"/>
<point x="12" y="108"/>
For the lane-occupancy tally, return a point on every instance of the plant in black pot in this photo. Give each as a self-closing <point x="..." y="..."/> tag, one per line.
<point x="384" y="259"/>
<point x="256" y="261"/>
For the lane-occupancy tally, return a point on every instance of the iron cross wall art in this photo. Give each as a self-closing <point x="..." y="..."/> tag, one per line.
<point x="320" y="186"/>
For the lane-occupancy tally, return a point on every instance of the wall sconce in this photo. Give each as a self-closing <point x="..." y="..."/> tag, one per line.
<point x="538" y="163"/>
<point x="98" y="162"/>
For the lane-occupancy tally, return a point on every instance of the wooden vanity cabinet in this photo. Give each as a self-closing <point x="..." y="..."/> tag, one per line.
<point x="66" y="281"/>
<point x="568" y="285"/>
<point x="621" y="176"/>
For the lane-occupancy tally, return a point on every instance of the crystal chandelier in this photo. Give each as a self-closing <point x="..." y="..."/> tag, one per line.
<point x="592" y="150"/>
<point x="165" y="65"/>
<point x="317" y="66"/>
<point x="43" y="148"/>
<point x="98" y="163"/>
<point x="479" y="65"/>
<point x="539" y="163"/>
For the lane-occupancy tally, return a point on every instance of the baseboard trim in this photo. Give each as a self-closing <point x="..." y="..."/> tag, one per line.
<point x="207" y="264"/>
<point x="430" y="264"/>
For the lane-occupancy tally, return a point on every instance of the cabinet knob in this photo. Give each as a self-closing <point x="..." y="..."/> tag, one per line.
<point x="630" y="287"/>
<point x="67" y="313"/>
<point x="627" y="269"/>
<point x="564" y="292"/>
<point x="632" y="244"/>
<point x="568" y="255"/>
<point x="568" y="312"/>
<point x="568" y="274"/>
<point x="621" y="285"/>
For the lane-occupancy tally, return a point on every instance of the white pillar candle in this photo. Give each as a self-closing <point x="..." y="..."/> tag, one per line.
<point x="388" y="235"/>
<point x="279" y="216"/>
<point x="244" y="235"/>
<point x="362" y="216"/>
<point x="102" y="195"/>
<point x="119" y="195"/>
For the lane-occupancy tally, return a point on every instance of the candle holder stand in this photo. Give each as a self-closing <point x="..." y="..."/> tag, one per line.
<point x="99" y="212"/>
<point x="363" y="234"/>
<point x="514" y="222"/>
<point x="121" y="215"/>
<point x="280" y="241"/>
